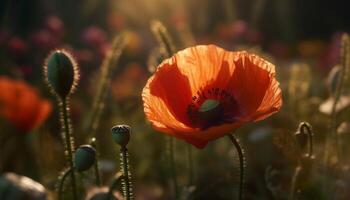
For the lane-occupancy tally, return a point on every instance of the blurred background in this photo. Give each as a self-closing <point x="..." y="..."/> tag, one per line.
<point x="302" y="38"/>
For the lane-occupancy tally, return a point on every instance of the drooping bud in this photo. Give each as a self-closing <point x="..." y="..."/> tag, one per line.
<point x="121" y="134"/>
<point x="85" y="157"/>
<point x="61" y="72"/>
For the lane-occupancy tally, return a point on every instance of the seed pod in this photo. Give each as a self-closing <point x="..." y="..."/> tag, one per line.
<point x="121" y="134"/>
<point x="85" y="157"/>
<point x="61" y="73"/>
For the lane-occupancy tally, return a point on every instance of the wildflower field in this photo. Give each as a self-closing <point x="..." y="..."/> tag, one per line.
<point x="174" y="100"/>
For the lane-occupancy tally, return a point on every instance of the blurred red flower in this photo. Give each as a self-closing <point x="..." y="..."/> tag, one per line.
<point x="205" y="92"/>
<point x="129" y="83"/>
<point x="94" y="36"/>
<point x="21" y="104"/>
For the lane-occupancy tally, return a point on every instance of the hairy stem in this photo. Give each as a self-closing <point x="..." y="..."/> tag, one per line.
<point x="127" y="185"/>
<point x="240" y="152"/>
<point x="69" y="143"/>
<point x="163" y="37"/>
<point x="108" y="66"/>
<point x="62" y="180"/>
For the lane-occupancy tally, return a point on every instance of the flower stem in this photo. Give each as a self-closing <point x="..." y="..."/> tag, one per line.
<point x="304" y="159"/>
<point x="127" y="185"/>
<point x="61" y="182"/>
<point x="109" y="64"/>
<point x="163" y="37"/>
<point x="69" y="143"/>
<point x="114" y="184"/>
<point x="310" y="135"/>
<point x="96" y="165"/>
<point x="294" y="181"/>
<point x="240" y="152"/>
<point x="345" y="67"/>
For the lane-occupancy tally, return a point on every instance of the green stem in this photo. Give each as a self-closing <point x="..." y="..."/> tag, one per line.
<point x="309" y="133"/>
<point x="109" y="64"/>
<point x="96" y="165"/>
<point x="61" y="183"/>
<point x="97" y="173"/>
<point x="239" y="150"/>
<point x="69" y="143"/>
<point x="294" y="182"/>
<point x="127" y="186"/>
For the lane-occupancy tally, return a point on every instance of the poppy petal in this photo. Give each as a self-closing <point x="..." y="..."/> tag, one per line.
<point x="202" y="65"/>
<point x="158" y="113"/>
<point x="250" y="80"/>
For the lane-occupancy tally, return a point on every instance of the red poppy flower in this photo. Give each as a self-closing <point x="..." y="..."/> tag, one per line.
<point x="205" y="92"/>
<point x="21" y="105"/>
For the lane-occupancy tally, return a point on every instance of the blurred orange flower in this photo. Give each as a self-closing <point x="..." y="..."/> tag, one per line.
<point x="204" y="92"/>
<point x="21" y="105"/>
<point x="129" y="83"/>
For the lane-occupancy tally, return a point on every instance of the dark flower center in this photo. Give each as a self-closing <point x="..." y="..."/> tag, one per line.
<point x="210" y="111"/>
<point x="211" y="107"/>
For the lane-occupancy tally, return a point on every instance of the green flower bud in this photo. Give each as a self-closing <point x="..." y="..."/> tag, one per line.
<point x="85" y="157"/>
<point x="61" y="73"/>
<point x="121" y="134"/>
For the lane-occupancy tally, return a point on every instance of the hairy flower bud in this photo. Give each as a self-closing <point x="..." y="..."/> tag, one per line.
<point x="61" y="72"/>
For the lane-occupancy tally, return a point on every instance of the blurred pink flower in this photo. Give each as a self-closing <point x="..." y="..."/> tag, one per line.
<point x="239" y="28"/>
<point x="115" y="21"/>
<point x="94" y="36"/>
<point x="44" y="40"/>
<point x="55" y="26"/>
<point x="331" y="55"/>
<point x="17" y="46"/>
<point x="83" y="55"/>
